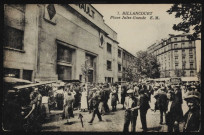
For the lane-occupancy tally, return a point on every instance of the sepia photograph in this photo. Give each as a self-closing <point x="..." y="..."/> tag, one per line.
<point x="102" y="67"/>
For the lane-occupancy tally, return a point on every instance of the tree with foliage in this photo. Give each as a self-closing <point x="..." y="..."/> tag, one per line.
<point x="85" y="68"/>
<point x="147" y="65"/>
<point x="130" y="73"/>
<point x="191" y="15"/>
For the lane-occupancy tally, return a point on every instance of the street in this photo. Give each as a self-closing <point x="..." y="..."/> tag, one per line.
<point x="112" y="122"/>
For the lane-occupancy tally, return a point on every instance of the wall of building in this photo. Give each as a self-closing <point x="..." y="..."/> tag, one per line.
<point x="175" y="50"/>
<point x="71" y="29"/>
<point x="70" y="26"/>
<point x="24" y="59"/>
<point x="119" y="59"/>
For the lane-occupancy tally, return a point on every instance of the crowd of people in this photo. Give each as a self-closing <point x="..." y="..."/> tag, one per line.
<point x="134" y="97"/>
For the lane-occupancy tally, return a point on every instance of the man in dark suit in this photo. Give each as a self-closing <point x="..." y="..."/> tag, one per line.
<point x="95" y="103"/>
<point x="123" y="95"/>
<point x="174" y="112"/>
<point x="162" y="103"/>
<point x="131" y="105"/>
<point x="144" y="106"/>
<point x="192" y="118"/>
<point x="106" y="92"/>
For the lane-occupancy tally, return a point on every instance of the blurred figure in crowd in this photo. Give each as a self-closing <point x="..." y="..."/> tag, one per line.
<point x="192" y="118"/>
<point x="94" y="104"/>
<point x="114" y="98"/>
<point x="131" y="111"/>
<point x="162" y="103"/>
<point x="174" y="112"/>
<point x="144" y="106"/>
<point x="84" y="102"/>
<point x="123" y="95"/>
<point x="68" y="106"/>
<point x="119" y="93"/>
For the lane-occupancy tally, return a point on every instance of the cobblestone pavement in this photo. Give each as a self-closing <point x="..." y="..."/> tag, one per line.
<point x="112" y="122"/>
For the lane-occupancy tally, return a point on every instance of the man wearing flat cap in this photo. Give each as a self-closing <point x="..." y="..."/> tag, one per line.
<point x="131" y="105"/>
<point x="192" y="118"/>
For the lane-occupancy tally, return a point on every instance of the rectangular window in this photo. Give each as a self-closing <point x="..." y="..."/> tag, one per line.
<point x="12" y="72"/>
<point x="183" y="51"/>
<point x="27" y="75"/>
<point x="109" y="79"/>
<point x="175" y="39"/>
<point x="190" y="51"/>
<point x="80" y="77"/>
<point x="124" y="56"/>
<point x="191" y="65"/>
<point x="175" y="45"/>
<point x="176" y="65"/>
<point x="64" y="72"/>
<point x="184" y="65"/>
<point x="182" y="44"/>
<point x="191" y="73"/>
<point x="176" y="57"/>
<point x="190" y="43"/>
<point x="14" y="23"/>
<point x="119" y="68"/>
<point x="13" y="38"/>
<point x="89" y="60"/>
<point x="183" y="57"/>
<point x="64" y="54"/>
<point x="191" y="56"/>
<point x="165" y="43"/>
<point x="109" y="48"/>
<point x="119" y="53"/>
<point x="108" y="65"/>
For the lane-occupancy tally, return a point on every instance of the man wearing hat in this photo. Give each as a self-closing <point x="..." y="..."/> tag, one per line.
<point x="95" y="104"/>
<point x="162" y="103"/>
<point x="114" y="98"/>
<point x="123" y="95"/>
<point x="174" y="112"/>
<point x="68" y="106"/>
<point x="144" y="106"/>
<point x="131" y="105"/>
<point x="107" y="91"/>
<point x="192" y="118"/>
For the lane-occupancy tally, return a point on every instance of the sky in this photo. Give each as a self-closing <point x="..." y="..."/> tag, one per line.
<point x="138" y="34"/>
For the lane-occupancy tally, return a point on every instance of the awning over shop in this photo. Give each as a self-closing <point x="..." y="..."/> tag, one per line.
<point x="161" y="79"/>
<point x="34" y="85"/>
<point x="15" y="80"/>
<point x="188" y="79"/>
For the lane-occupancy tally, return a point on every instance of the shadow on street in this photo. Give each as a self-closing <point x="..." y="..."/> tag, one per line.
<point x="50" y="127"/>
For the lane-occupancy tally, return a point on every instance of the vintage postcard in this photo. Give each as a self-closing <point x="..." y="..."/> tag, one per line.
<point x="102" y="67"/>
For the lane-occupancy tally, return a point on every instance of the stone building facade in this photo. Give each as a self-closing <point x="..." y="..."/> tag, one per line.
<point x="46" y="42"/>
<point x="176" y="56"/>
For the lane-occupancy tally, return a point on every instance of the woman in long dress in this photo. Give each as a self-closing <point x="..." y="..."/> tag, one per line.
<point x="84" y="102"/>
<point x="119" y="94"/>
